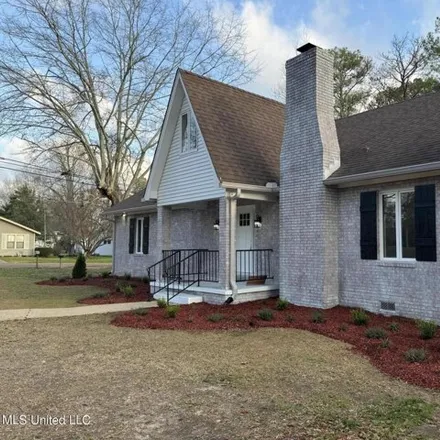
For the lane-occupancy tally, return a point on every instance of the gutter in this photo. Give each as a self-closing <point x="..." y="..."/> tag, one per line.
<point x="247" y="187"/>
<point x="136" y="210"/>
<point x="390" y="172"/>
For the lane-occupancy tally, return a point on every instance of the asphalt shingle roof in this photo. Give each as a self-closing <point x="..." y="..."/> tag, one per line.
<point x="243" y="131"/>
<point x="398" y="135"/>
<point x="133" y="202"/>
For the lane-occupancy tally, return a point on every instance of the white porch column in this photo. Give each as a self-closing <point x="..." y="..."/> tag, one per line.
<point x="163" y="230"/>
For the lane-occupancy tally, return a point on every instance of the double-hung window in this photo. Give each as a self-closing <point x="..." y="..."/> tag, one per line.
<point x="15" y="241"/>
<point x="397" y="224"/>
<point x="189" y="133"/>
<point x="139" y="235"/>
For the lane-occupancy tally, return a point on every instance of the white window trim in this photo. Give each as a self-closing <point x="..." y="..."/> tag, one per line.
<point x="15" y="241"/>
<point x="136" y="241"/>
<point x="191" y="120"/>
<point x="398" y="226"/>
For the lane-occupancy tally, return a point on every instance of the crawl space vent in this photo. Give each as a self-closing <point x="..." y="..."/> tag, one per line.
<point x="390" y="306"/>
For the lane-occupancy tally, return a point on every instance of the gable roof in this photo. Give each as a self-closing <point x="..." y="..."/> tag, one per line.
<point x="242" y="131"/>
<point x="19" y="225"/>
<point x="398" y="135"/>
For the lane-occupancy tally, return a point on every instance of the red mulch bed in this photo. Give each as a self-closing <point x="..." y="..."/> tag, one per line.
<point x="141" y="289"/>
<point x="337" y="325"/>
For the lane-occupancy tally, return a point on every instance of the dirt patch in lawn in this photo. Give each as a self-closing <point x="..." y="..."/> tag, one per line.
<point x="140" y="289"/>
<point x="263" y="384"/>
<point x="387" y="351"/>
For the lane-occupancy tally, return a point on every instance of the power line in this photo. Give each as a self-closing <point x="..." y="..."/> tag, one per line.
<point x="43" y="175"/>
<point x="20" y="163"/>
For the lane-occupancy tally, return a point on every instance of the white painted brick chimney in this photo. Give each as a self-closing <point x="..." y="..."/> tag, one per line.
<point x="308" y="209"/>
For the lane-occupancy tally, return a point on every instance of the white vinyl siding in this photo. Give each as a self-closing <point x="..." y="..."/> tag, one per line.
<point x="188" y="176"/>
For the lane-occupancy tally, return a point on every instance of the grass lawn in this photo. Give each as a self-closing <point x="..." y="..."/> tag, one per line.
<point x="263" y="384"/>
<point x="19" y="291"/>
<point x="65" y="260"/>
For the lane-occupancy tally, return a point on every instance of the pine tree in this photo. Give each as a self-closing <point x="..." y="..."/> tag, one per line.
<point x="80" y="268"/>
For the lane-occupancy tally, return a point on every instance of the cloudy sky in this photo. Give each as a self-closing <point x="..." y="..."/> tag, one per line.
<point x="275" y="28"/>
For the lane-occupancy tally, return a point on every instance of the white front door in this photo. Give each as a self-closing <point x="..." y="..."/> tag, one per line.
<point x="245" y="240"/>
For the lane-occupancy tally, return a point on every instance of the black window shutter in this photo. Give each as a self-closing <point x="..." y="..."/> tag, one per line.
<point x="368" y="225"/>
<point x="131" y="236"/>
<point x="426" y="249"/>
<point x="146" y="236"/>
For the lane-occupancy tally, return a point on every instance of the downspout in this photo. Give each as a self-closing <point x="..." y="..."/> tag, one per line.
<point x="232" y="233"/>
<point x="114" y="221"/>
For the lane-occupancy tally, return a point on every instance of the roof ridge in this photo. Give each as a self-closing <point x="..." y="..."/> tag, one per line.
<point x="239" y="89"/>
<point x="405" y="101"/>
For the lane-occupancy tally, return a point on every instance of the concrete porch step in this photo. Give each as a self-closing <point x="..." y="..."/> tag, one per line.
<point x="181" y="298"/>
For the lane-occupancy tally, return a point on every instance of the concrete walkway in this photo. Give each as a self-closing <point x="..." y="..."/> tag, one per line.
<point x="21" y="314"/>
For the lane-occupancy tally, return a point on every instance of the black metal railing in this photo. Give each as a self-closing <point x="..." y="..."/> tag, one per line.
<point x="208" y="261"/>
<point x="182" y="268"/>
<point x="254" y="264"/>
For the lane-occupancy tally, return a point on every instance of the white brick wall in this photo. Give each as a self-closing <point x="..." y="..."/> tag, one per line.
<point x="308" y="210"/>
<point x="414" y="287"/>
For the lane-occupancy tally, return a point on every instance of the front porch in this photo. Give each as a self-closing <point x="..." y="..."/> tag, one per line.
<point x="192" y="275"/>
<point x="214" y="250"/>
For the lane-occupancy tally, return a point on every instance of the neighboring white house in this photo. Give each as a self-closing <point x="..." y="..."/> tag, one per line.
<point x="105" y="248"/>
<point x="16" y="239"/>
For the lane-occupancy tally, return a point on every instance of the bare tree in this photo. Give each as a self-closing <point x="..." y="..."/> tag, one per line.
<point x="73" y="203"/>
<point x="403" y="71"/>
<point x="97" y="74"/>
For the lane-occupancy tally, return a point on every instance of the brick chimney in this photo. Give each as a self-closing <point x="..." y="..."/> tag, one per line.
<point x="309" y="209"/>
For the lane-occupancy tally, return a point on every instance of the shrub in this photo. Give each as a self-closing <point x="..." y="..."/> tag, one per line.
<point x="99" y="295"/>
<point x="80" y="268"/>
<point x="162" y="303"/>
<point x="145" y="280"/>
<point x="86" y="278"/>
<point x="127" y="276"/>
<point x="52" y="278"/>
<point x="119" y="286"/>
<point x="265" y="314"/>
<point x="385" y="343"/>
<point x="318" y="317"/>
<point x="343" y="327"/>
<point x="290" y="318"/>
<point x="62" y="279"/>
<point x="171" y="311"/>
<point x="427" y="329"/>
<point x="282" y="304"/>
<point x="128" y="291"/>
<point x="106" y="274"/>
<point x="415" y="355"/>
<point x="44" y="251"/>
<point x="375" y="333"/>
<point x="394" y="327"/>
<point x="359" y="317"/>
<point x="215" y="317"/>
<point x="141" y="312"/>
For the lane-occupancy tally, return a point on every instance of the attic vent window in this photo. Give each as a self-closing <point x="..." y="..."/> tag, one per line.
<point x="189" y="133"/>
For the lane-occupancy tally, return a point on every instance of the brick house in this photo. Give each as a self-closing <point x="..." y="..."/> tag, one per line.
<point x="248" y="198"/>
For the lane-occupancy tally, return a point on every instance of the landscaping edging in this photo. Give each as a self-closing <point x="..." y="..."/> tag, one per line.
<point x="389" y="356"/>
<point x="141" y="290"/>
